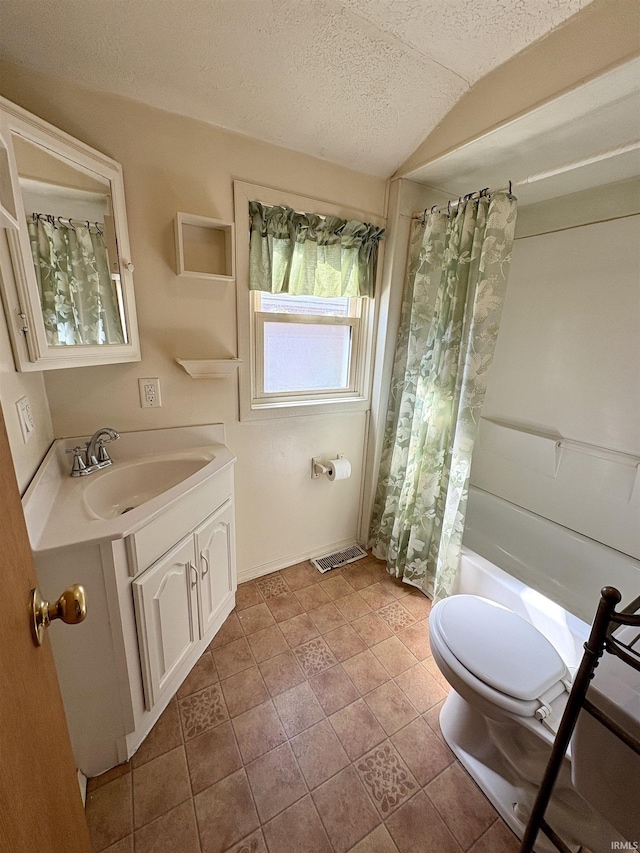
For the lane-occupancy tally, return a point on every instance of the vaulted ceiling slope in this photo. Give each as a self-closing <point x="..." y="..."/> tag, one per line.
<point x="356" y="82"/>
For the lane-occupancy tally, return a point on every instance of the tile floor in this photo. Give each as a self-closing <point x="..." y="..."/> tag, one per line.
<point x="309" y="726"/>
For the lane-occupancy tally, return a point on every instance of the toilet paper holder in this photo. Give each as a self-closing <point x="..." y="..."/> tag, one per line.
<point x="318" y="468"/>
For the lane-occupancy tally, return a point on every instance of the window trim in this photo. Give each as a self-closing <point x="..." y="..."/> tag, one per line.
<point x="252" y="406"/>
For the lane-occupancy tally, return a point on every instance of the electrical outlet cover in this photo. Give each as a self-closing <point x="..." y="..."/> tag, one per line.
<point x="150" y="393"/>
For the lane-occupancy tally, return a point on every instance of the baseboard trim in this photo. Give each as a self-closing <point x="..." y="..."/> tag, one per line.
<point x="284" y="562"/>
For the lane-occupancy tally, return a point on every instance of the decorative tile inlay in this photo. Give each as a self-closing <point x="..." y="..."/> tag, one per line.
<point x="271" y="586"/>
<point x="387" y="779"/>
<point x="202" y="711"/>
<point x="396" y="616"/>
<point x="315" y="656"/>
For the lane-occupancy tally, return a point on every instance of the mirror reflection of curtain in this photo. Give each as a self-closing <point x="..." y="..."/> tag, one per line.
<point x="456" y="281"/>
<point x="77" y="295"/>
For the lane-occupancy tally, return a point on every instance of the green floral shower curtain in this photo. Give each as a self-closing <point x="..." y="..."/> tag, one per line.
<point x="457" y="275"/>
<point x="79" y="302"/>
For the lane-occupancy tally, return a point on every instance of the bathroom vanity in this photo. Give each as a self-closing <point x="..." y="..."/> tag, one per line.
<point x="152" y="540"/>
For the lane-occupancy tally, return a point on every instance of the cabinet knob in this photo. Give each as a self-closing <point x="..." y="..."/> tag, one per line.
<point x="71" y="607"/>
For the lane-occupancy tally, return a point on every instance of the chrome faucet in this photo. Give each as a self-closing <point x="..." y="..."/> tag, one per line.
<point x="95" y="456"/>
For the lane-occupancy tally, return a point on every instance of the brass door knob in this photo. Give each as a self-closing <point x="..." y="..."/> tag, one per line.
<point x="71" y="607"/>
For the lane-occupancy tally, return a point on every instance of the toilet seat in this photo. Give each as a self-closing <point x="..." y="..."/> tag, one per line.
<point x="498" y="654"/>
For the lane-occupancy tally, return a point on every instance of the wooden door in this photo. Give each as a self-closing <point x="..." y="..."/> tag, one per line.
<point x="40" y="804"/>
<point x="166" y="602"/>
<point x="214" y="550"/>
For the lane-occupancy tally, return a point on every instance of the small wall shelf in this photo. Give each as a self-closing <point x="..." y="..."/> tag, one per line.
<point x="204" y="247"/>
<point x="209" y="368"/>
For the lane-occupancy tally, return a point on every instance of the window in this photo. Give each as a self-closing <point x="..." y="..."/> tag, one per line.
<point x="301" y="353"/>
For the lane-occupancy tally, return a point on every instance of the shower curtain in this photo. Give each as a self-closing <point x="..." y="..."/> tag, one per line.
<point x="456" y="279"/>
<point x="78" y="299"/>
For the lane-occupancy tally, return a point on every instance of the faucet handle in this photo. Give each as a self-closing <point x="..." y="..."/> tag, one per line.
<point x="103" y="455"/>
<point x="79" y="464"/>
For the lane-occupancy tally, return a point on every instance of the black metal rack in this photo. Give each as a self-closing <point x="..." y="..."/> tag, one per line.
<point x="601" y="639"/>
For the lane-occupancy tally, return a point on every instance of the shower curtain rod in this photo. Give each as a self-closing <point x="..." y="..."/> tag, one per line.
<point x="534" y="178"/>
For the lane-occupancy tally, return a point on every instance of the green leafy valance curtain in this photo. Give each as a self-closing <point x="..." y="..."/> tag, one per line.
<point x="79" y="303"/>
<point x="303" y="254"/>
<point x="456" y="281"/>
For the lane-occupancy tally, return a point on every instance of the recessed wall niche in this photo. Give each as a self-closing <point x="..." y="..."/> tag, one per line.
<point x="204" y="247"/>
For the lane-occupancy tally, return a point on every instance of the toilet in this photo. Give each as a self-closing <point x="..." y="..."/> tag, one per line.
<point x="510" y="687"/>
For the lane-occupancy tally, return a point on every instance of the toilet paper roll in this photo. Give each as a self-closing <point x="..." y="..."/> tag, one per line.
<point x="339" y="469"/>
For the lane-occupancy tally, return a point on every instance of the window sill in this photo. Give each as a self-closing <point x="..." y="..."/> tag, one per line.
<point x="268" y="411"/>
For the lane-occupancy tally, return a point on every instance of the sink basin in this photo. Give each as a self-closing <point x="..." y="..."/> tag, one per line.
<point x="124" y="487"/>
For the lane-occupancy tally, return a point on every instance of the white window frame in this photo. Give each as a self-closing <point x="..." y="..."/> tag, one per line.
<point x="255" y="404"/>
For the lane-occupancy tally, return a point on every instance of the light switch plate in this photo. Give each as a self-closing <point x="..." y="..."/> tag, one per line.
<point x="27" y="424"/>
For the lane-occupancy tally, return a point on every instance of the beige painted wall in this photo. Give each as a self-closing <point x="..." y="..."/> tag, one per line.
<point x="173" y="163"/>
<point x="602" y="35"/>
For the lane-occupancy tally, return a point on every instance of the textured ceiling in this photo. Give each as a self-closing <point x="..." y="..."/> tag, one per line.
<point x="356" y="82"/>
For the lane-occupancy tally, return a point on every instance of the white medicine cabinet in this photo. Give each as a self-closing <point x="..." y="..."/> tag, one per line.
<point x="65" y="265"/>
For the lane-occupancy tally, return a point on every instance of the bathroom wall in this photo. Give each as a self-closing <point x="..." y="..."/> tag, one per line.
<point x="566" y="367"/>
<point x="173" y="163"/>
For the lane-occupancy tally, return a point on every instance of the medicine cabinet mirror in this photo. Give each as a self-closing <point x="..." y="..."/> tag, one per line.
<point x="66" y="271"/>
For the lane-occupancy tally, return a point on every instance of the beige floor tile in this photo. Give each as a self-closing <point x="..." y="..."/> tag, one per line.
<point x="164" y="736"/>
<point x="358" y="576"/>
<point x="346" y="811"/>
<point x="333" y="689"/>
<point x="422" y="690"/>
<point x="229" y="631"/>
<point x="202" y="711"/>
<point x="394" y="656"/>
<point x="357" y="729"/>
<point x="255" y="618"/>
<point x="432" y="717"/>
<point x="391" y="707"/>
<point x="312" y="596"/>
<point x="336" y="586"/>
<point x="297" y="830"/>
<point x="225" y="813"/>
<point x="244" y="690"/>
<point x="276" y="781"/>
<point x="298" y="630"/>
<point x="267" y="643"/>
<point x="125" y="845"/>
<point x="378" y="841"/>
<point x="253" y="843"/>
<point x="344" y="642"/>
<point x="395" y="616"/>
<point x="377" y="596"/>
<point x="433" y="669"/>
<point x="327" y="617"/>
<point x="258" y="731"/>
<point x="319" y="753"/>
<point x="418" y="604"/>
<point x="202" y="675"/>
<point x="159" y="785"/>
<point x="365" y="671"/>
<point x="417" y="826"/>
<point x="353" y="606"/>
<point x="425" y="754"/>
<point x="233" y="657"/>
<point x="461" y="804"/>
<point x="284" y="606"/>
<point x="416" y="639"/>
<point x="372" y="629"/>
<point x="314" y="656"/>
<point x="212" y="756"/>
<point x="109" y="813"/>
<point x="104" y="778"/>
<point x="386" y="778"/>
<point x="300" y="576"/>
<point x="497" y="839"/>
<point x="298" y="709"/>
<point x="247" y="595"/>
<point x="175" y="830"/>
<point x="281" y="673"/>
<point x="272" y="585"/>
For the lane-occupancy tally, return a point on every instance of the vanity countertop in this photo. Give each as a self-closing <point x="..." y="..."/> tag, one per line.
<point x="61" y="510"/>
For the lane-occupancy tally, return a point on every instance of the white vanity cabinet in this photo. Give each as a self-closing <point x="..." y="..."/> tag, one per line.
<point x="179" y="598"/>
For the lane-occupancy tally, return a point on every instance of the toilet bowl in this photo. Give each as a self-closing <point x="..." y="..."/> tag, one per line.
<point x="510" y="688"/>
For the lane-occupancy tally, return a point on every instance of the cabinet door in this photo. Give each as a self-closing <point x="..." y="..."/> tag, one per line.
<point x="165" y="599"/>
<point x="215" y="550"/>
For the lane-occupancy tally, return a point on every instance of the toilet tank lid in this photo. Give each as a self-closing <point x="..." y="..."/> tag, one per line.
<point x="500" y="647"/>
